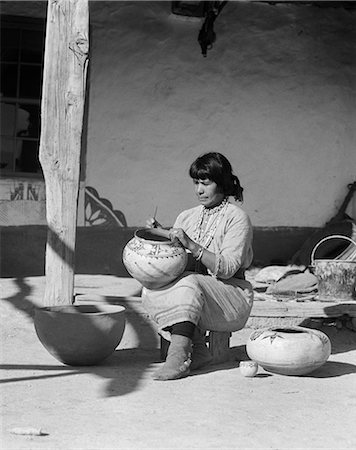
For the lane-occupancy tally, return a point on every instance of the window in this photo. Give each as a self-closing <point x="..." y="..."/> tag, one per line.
<point x="22" y="50"/>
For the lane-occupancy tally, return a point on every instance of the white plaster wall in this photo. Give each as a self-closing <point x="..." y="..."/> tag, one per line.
<point x="276" y="95"/>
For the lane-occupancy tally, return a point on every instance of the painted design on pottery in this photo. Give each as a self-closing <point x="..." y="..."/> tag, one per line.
<point x="273" y="336"/>
<point x="154" y="263"/>
<point x="299" y="351"/>
<point x="320" y="337"/>
<point x="256" y="334"/>
<point x="248" y="368"/>
<point x="135" y="245"/>
<point x="100" y="212"/>
<point x="154" y="250"/>
<point x="154" y="267"/>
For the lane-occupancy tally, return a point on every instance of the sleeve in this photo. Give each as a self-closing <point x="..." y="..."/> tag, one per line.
<point x="236" y="249"/>
<point x="184" y="220"/>
<point x="179" y="221"/>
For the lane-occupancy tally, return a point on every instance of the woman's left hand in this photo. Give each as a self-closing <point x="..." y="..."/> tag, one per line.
<point x="177" y="234"/>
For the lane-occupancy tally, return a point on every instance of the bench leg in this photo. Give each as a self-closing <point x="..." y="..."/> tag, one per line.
<point x="164" y="348"/>
<point x="219" y="346"/>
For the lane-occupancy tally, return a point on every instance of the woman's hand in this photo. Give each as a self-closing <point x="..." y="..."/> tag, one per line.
<point x="151" y="222"/>
<point x="198" y="252"/>
<point x="177" y="234"/>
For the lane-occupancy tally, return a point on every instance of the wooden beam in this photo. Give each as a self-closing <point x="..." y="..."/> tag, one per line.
<point x="303" y="309"/>
<point x="62" y="111"/>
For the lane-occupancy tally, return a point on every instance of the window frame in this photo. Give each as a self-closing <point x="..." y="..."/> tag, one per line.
<point x="23" y="23"/>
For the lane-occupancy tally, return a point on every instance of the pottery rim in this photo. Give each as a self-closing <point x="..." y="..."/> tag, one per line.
<point x="162" y="235"/>
<point x="83" y="309"/>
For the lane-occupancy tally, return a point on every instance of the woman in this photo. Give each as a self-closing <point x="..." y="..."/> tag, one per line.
<point x="215" y="295"/>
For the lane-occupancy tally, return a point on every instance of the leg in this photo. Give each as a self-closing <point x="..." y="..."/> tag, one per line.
<point x="178" y="360"/>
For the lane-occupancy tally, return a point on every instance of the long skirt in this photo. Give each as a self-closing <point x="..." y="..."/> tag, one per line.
<point x="210" y="303"/>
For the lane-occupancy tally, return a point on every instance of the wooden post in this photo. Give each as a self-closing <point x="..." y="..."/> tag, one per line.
<point x="62" y="111"/>
<point x="219" y="345"/>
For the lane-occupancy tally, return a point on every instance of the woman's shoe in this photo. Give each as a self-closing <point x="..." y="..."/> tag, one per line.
<point x="178" y="360"/>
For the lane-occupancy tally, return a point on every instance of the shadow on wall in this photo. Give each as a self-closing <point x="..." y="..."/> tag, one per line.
<point x="100" y="244"/>
<point x="100" y="212"/>
<point x="99" y="248"/>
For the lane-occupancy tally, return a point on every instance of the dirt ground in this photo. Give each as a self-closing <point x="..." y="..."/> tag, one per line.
<point x="116" y="405"/>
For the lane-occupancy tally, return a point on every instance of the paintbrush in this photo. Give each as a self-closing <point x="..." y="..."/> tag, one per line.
<point x="155" y="214"/>
<point x="158" y="230"/>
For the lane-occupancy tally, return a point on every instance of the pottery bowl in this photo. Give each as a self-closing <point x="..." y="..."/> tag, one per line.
<point x="80" y="335"/>
<point x="153" y="259"/>
<point x="289" y="350"/>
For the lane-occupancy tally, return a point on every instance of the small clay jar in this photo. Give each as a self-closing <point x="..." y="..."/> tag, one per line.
<point x="248" y="368"/>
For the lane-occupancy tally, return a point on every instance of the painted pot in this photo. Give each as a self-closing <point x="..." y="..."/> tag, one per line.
<point x="82" y="335"/>
<point x="248" y="368"/>
<point x="153" y="259"/>
<point x="289" y="351"/>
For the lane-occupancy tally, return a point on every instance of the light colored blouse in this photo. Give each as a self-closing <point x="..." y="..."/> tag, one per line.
<point x="232" y="242"/>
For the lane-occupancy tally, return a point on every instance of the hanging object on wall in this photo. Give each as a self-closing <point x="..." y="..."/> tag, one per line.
<point x="189" y="9"/>
<point x="207" y="35"/>
<point x="207" y="10"/>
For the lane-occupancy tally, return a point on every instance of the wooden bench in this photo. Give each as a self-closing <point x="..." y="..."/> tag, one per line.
<point x="218" y="344"/>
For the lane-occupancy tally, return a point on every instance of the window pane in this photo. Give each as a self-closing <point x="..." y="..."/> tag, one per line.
<point x="8" y="149"/>
<point x="28" y="120"/>
<point x="30" y="81"/>
<point x="8" y="119"/>
<point x="32" y="46"/>
<point x="10" y="41"/>
<point x="8" y="80"/>
<point x="28" y="159"/>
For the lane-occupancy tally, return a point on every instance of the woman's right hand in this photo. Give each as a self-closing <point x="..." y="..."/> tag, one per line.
<point x="151" y="222"/>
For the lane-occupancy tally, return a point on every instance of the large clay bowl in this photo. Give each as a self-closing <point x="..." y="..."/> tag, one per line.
<point x="289" y="351"/>
<point x="152" y="259"/>
<point x="80" y="335"/>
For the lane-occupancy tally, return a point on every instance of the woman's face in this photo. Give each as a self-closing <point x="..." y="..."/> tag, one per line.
<point x="208" y="193"/>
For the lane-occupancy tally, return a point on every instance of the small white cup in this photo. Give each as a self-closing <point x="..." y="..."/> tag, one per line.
<point x="248" y="368"/>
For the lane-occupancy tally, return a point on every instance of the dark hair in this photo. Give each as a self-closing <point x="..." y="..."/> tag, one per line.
<point x="216" y="167"/>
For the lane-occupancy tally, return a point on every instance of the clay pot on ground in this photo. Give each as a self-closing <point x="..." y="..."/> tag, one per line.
<point x="248" y="368"/>
<point x="289" y="351"/>
<point x="80" y="335"/>
<point x="152" y="259"/>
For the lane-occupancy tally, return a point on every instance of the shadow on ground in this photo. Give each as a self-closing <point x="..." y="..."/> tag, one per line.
<point x="124" y="368"/>
<point x="342" y="340"/>
<point x="333" y="369"/>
